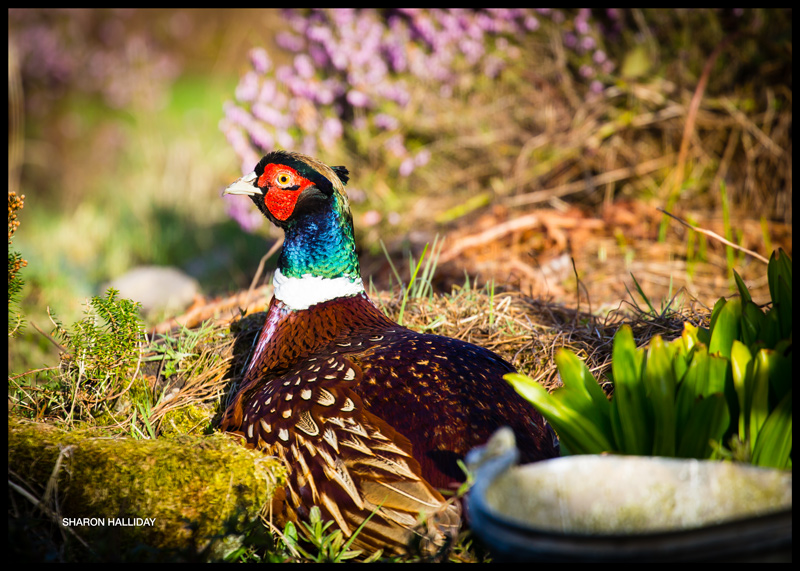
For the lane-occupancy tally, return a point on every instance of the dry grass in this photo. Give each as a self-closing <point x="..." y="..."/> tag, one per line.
<point x="524" y="330"/>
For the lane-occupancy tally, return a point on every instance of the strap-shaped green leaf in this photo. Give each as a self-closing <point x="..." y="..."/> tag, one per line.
<point x="773" y="446"/>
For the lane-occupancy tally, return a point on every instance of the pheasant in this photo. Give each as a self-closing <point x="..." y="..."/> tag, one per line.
<point x="369" y="417"/>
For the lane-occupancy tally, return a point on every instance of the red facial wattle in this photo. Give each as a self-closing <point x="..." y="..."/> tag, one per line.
<point x="283" y="187"/>
<point x="281" y="203"/>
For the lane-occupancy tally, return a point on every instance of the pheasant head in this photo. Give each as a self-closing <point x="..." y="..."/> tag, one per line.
<point x="307" y="199"/>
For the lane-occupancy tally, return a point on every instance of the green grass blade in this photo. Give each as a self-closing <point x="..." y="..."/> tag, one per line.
<point x="391" y="264"/>
<point x="641" y="292"/>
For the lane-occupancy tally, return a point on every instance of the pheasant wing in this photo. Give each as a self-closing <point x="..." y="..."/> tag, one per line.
<point x="341" y="458"/>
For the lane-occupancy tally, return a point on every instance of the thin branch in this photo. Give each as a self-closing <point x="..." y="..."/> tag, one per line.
<point x="694" y="106"/>
<point x="716" y="236"/>
<point x="50" y="338"/>
<point x="265" y="257"/>
<point x="598" y="180"/>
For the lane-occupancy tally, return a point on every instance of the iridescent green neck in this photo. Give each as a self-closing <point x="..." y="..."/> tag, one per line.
<point x="321" y="243"/>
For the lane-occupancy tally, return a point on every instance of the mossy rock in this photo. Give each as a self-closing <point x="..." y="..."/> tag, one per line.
<point x="191" y="495"/>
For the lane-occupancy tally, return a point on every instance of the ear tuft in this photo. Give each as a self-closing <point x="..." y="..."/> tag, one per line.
<point x="342" y="173"/>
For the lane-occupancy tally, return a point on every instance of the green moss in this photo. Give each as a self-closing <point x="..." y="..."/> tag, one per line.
<point x="197" y="489"/>
<point x="192" y="419"/>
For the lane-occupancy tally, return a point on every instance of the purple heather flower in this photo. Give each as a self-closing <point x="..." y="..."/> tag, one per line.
<point x="300" y="87"/>
<point x="304" y="66"/>
<point x="261" y="138"/>
<point x="247" y="90"/>
<point x="471" y="49"/>
<point x="363" y="59"/>
<point x="235" y="113"/>
<point x="309" y="145"/>
<point x="492" y="66"/>
<point x="370" y="218"/>
<point x="599" y="56"/>
<point x="319" y="56"/>
<point x="269" y="115"/>
<point x="360" y="122"/>
<point x="396" y="55"/>
<point x="290" y="42"/>
<point x="395" y="145"/>
<point x="531" y="23"/>
<point x="338" y="58"/>
<point x="387" y="122"/>
<point x="319" y="34"/>
<point x="581" y="21"/>
<point x="323" y="94"/>
<point x="406" y="167"/>
<point x="285" y="140"/>
<point x="268" y="90"/>
<point x="260" y="60"/>
<point x="343" y="16"/>
<point x="396" y="92"/>
<point x="243" y="212"/>
<point x="424" y="29"/>
<point x="588" y="43"/>
<point x="356" y="195"/>
<point x="357" y="98"/>
<point x="486" y="22"/>
<point x="331" y="131"/>
<point x="376" y="71"/>
<point x="422" y="158"/>
<point x="240" y="144"/>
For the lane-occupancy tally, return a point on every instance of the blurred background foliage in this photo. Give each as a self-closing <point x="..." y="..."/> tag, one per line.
<point x="125" y="126"/>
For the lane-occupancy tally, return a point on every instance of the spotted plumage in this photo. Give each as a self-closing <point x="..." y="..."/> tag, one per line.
<point x="368" y="416"/>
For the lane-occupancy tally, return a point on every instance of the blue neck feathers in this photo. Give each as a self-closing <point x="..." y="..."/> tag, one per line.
<point x="321" y="244"/>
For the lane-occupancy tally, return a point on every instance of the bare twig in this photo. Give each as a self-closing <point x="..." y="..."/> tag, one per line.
<point x="600" y="179"/>
<point x="264" y="258"/>
<point x="58" y="345"/>
<point x="716" y="236"/>
<point x="694" y="106"/>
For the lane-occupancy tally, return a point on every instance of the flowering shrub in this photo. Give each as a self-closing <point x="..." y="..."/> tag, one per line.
<point x="116" y="54"/>
<point x="355" y="73"/>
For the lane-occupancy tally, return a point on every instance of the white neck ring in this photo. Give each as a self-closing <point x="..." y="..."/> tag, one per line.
<point x="303" y="292"/>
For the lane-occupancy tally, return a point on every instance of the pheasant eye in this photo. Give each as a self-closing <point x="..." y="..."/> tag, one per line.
<point x="283" y="179"/>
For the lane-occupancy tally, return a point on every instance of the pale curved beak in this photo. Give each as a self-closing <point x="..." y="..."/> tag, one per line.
<point x="244" y="185"/>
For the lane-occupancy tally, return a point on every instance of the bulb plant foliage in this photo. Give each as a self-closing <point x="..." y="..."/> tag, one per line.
<point x="687" y="398"/>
